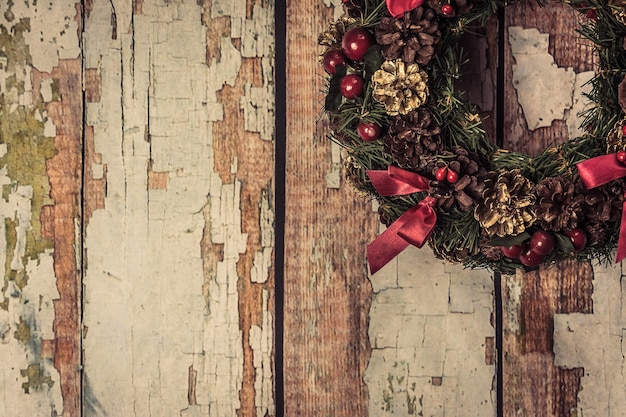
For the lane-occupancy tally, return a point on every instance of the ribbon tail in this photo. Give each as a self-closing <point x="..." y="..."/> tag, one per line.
<point x="413" y="227"/>
<point x="621" y="244"/>
<point x="385" y="247"/>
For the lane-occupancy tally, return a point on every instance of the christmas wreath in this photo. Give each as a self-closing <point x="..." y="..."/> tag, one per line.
<point x="414" y="142"/>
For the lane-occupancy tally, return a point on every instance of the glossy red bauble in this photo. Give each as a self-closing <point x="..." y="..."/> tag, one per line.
<point x="351" y="86"/>
<point x="447" y="10"/>
<point x="368" y="131"/>
<point x="531" y="258"/>
<point x="356" y="42"/>
<point x="512" y="252"/>
<point x="441" y="174"/>
<point x="621" y="157"/>
<point x="578" y="238"/>
<point x="333" y="58"/>
<point x="452" y="177"/>
<point x="541" y="242"/>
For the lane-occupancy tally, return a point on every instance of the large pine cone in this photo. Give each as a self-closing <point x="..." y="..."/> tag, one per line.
<point x="507" y="205"/>
<point x="400" y="87"/>
<point x="468" y="189"/>
<point x="410" y="37"/>
<point x="559" y="206"/>
<point x="413" y="140"/>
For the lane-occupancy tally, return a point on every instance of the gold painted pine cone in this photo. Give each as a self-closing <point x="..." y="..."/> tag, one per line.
<point x="507" y="205"/>
<point x="400" y="87"/>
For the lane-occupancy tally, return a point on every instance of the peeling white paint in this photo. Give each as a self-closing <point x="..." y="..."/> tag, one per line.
<point x="595" y="342"/>
<point x="534" y="72"/>
<point x="428" y="331"/>
<point x="53" y="29"/>
<point x="152" y="302"/>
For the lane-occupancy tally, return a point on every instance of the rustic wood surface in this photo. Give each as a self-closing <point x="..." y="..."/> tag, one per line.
<point x="173" y="238"/>
<point x="326" y="233"/>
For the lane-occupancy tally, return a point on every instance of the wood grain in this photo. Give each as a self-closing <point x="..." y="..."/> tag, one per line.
<point x="533" y="384"/>
<point x="327" y="294"/>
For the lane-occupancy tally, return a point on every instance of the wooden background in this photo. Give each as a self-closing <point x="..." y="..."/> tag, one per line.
<point x="137" y="165"/>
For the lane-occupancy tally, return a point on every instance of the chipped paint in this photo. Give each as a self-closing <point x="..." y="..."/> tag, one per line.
<point x="428" y="335"/>
<point x="595" y="342"/>
<point x="31" y="384"/>
<point x="166" y="289"/>
<point x="533" y="74"/>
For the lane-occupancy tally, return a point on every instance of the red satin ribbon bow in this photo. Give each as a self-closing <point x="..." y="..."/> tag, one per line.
<point x="398" y="7"/>
<point x="600" y="170"/>
<point x="413" y="227"/>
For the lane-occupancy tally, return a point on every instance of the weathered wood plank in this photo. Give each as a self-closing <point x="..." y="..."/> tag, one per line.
<point x="41" y="129"/>
<point x="542" y="74"/>
<point x="179" y="239"/>
<point x="326" y="232"/>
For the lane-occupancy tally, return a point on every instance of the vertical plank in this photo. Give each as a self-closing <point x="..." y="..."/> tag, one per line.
<point x="326" y="232"/>
<point x="40" y="147"/>
<point x="535" y="117"/>
<point x="179" y="239"/>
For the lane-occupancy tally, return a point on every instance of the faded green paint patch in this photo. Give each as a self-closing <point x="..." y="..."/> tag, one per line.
<point x="25" y="150"/>
<point x="23" y="332"/>
<point x="36" y="379"/>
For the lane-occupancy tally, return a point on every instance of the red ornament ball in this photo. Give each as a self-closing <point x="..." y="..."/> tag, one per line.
<point x="531" y="258"/>
<point x="447" y="10"/>
<point x="333" y="59"/>
<point x="351" y="86"/>
<point x="578" y="238"/>
<point x="452" y="177"/>
<point x="541" y="242"/>
<point x="441" y="174"/>
<point x="368" y="131"/>
<point x="621" y="157"/>
<point x="356" y="42"/>
<point x="512" y="252"/>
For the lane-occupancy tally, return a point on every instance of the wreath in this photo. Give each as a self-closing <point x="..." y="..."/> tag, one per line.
<point x="416" y="145"/>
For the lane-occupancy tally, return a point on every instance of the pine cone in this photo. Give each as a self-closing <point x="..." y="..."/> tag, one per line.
<point x="354" y="173"/>
<point x="331" y="38"/>
<point x="410" y="37"/>
<point x="559" y="207"/>
<point x="460" y="7"/>
<point x="413" y="140"/>
<point x="506" y="208"/>
<point x="603" y="204"/>
<point x="450" y="254"/>
<point x="597" y="232"/>
<point x="468" y="189"/>
<point x="400" y="87"/>
<point x="492" y="253"/>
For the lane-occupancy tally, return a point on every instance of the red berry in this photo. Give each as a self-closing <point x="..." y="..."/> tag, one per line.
<point x="441" y="174"/>
<point x="531" y="258"/>
<point x="541" y="242"/>
<point x="368" y="131"/>
<point x="351" y="86"/>
<point x="624" y="130"/>
<point x="356" y="42"/>
<point x="452" y="177"/>
<point x="621" y="156"/>
<point x="447" y="10"/>
<point x="333" y="59"/>
<point x="512" y="252"/>
<point x="578" y="238"/>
